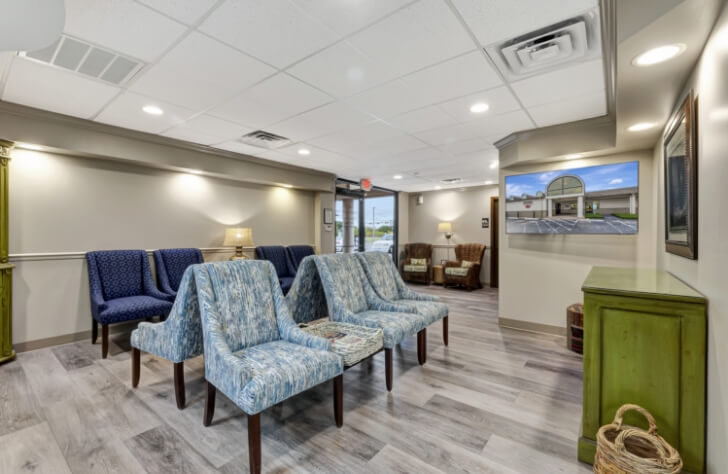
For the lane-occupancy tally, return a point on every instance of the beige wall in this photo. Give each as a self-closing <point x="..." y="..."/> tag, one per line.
<point x="464" y="209"/>
<point x="550" y="269"/>
<point x="708" y="273"/>
<point x="61" y="204"/>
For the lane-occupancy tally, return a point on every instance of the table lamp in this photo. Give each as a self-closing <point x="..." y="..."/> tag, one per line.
<point x="238" y="237"/>
<point x="446" y="228"/>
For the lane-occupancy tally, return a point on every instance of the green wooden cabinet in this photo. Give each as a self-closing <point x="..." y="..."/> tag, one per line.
<point x="644" y="343"/>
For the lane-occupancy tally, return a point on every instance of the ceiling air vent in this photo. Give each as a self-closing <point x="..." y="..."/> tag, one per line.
<point x="263" y="139"/>
<point x="572" y="40"/>
<point x="81" y="57"/>
<point x="451" y="180"/>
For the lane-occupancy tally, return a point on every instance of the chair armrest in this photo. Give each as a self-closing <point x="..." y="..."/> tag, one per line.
<point x="151" y="290"/>
<point x="98" y="304"/>
<point x="451" y="263"/>
<point x="378" y="304"/>
<point x="287" y="327"/>
<point x="406" y="293"/>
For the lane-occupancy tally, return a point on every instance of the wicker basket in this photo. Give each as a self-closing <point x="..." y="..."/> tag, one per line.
<point x="626" y="449"/>
<point x="353" y="343"/>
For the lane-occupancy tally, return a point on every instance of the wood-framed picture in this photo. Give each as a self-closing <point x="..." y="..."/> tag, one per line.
<point x="681" y="181"/>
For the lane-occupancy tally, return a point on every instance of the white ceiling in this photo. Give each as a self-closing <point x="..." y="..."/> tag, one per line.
<point x="373" y="88"/>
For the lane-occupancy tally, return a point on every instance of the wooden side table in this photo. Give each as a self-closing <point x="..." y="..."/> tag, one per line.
<point x="438" y="274"/>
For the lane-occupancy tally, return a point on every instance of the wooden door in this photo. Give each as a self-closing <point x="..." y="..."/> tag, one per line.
<point x="494" y="242"/>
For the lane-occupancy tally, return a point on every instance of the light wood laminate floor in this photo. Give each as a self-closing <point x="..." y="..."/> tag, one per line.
<point x="496" y="400"/>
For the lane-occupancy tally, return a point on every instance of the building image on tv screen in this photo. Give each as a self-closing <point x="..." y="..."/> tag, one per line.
<point x="593" y="200"/>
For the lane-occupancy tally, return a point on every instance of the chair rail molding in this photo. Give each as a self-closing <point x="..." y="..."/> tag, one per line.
<point x="80" y="255"/>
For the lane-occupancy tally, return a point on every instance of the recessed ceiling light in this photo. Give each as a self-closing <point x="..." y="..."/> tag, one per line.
<point x="658" y="55"/>
<point x="479" y="107"/>
<point x="489" y="182"/>
<point x="638" y="127"/>
<point x="437" y="188"/>
<point x="397" y="176"/>
<point x="152" y="110"/>
<point x="573" y="156"/>
<point x="30" y="146"/>
<point x="493" y="164"/>
<point x="304" y="151"/>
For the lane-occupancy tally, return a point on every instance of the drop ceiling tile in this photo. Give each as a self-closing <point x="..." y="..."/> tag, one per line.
<point x="466" y="146"/>
<point x="349" y="16"/>
<point x="341" y="70"/>
<point x="275" y="31"/>
<point x="184" y="11"/>
<point x="422" y="119"/>
<point x="207" y="130"/>
<point x="238" y="147"/>
<point x="388" y="148"/>
<point x="122" y="25"/>
<point x="417" y="36"/>
<point x="454" y="78"/>
<point x="321" y="121"/>
<point x="356" y="139"/>
<point x="565" y="83"/>
<point x="126" y="111"/>
<point x="271" y="101"/>
<point x="498" y="126"/>
<point x="387" y="100"/>
<point x="499" y="20"/>
<point x="49" y="88"/>
<point x="499" y="100"/>
<point x="199" y="73"/>
<point x="569" y="110"/>
<point x="448" y="135"/>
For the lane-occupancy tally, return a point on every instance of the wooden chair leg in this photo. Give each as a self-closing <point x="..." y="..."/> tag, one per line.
<point x="254" y="443"/>
<point x="135" y="366"/>
<point x="445" y="329"/>
<point x="94" y="330"/>
<point x="179" y="384"/>
<point x="209" y="404"/>
<point x="104" y="340"/>
<point x="339" y="400"/>
<point x="388" y="368"/>
<point x="422" y="346"/>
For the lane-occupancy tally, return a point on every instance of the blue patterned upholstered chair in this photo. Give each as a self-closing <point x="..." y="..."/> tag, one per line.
<point x="171" y="265"/>
<point x="278" y="256"/>
<point x="298" y="252"/>
<point x="177" y="338"/>
<point x="254" y="352"/>
<point x="388" y="284"/>
<point x="351" y="299"/>
<point x="122" y="289"/>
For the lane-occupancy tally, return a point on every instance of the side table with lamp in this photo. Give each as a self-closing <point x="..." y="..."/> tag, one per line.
<point x="238" y="237"/>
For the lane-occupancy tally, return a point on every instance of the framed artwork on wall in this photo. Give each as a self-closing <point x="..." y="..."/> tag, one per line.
<point x="328" y="215"/>
<point x="681" y="181"/>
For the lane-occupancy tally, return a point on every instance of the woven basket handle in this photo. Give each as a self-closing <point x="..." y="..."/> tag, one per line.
<point x="627" y="407"/>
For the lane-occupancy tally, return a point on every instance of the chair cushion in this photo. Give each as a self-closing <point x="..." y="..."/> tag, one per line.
<point x="466" y="264"/>
<point x="456" y="271"/>
<point x="286" y="283"/>
<point x="432" y="310"/>
<point x="415" y="268"/>
<point x="133" y="307"/>
<point x="395" y="326"/>
<point x="418" y="261"/>
<point x="279" y="370"/>
<point x="121" y="273"/>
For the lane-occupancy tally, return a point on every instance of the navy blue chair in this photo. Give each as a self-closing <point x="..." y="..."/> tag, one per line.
<point x="122" y="289"/>
<point x="278" y="256"/>
<point x="171" y="265"/>
<point x="298" y="252"/>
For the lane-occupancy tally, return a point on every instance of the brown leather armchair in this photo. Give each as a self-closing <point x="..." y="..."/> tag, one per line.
<point x="469" y="277"/>
<point x="412" y="272"/>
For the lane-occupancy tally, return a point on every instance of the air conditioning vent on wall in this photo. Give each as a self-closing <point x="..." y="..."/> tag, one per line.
<point x="263" y="139"/>
<point x="536" y="52"/>
<point x="84" y="58"/>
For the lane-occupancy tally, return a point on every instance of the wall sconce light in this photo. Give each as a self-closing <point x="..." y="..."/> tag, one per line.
<point x="446" y="228"/>
<point x="238" y="237"/>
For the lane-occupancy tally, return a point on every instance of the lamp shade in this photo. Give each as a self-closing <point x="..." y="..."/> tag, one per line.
<point x="238" y="237"/>
<point x="445" y="227"/>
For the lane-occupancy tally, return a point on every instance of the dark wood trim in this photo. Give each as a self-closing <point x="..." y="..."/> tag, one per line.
<point x="209" y="404"/>
<point x="494" y="215"/>
<point x="94" y="330"/>
<point x="254" y="443"/>
<point x="339" y="400"/>
<point x="179" y="384"/>
<point x="422" y="346"/>
<point x="445" y="321"/>
<point x="104" y="340"/>
<point x="135" y="366"/>
<point x="388" y="368"/>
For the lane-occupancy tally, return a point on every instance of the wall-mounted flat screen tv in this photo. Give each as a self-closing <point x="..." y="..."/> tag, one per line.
<point x="593" y="200"/>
